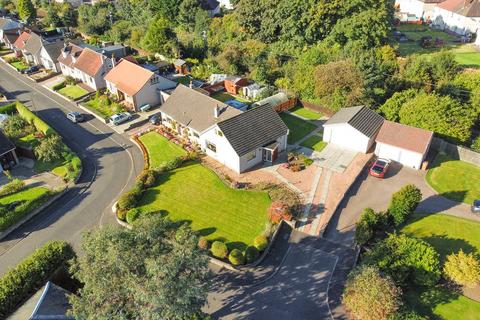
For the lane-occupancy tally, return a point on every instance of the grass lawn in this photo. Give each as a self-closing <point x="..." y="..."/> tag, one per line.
<point x="306" y="113"/>
<point x="73" y="92"/>
<point x="30" y="199"/>
<point x="224" y="96"/>
<point x="20" y="65"/>
<point x="183" y="80"/>
<point x="315" y="143"/>
<point x="455" y="179"/>
<point x="160" y="149"/>
<point x="298" y="128"/>
<point x="196" y="194"/>
<point x="101" y="106"/>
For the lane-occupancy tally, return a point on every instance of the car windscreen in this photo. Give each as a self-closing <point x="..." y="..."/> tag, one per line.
<point x="377" y="169"/>
<point x="381" y="163"/>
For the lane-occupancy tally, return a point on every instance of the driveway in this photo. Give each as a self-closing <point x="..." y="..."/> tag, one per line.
<point x="332" y="157"/>
<point x="370" y="192"/>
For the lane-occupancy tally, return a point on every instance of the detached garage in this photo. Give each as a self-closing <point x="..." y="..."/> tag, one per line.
<point x="404" y="144"/>
<point x="353" y="128"/>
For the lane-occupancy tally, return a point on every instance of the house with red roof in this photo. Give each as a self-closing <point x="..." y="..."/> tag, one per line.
<point x="136" y="85"/>
<point x="19" y="44"/>
<point x="459" y="16"/>
<point x="90" y="67"/>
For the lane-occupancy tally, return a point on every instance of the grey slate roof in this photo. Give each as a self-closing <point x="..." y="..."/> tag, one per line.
<point x="54" y="50"/>
<point x="361" y="118"/>
<point x="5" y="144"/>
<point x="195" y="109"/>
<point x="9" y="24"/>
<point x="34" y="44"/>
<point x="253" y="129"/>
<point x="179" y="62"/>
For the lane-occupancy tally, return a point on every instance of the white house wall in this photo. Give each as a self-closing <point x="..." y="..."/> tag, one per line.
<point x="225" y="153"/>
<point x="405" y="157"/>
<point x="345" y="136"/>
<point x="416" y="7"/>
<point x="455" y="22"/>
<point x="46" y="61"/>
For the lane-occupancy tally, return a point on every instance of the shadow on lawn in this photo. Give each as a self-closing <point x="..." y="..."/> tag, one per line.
<point x="446" y="245"/>
<point x="424" y="300"/>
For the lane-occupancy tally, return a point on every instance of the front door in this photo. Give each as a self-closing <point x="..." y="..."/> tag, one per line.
<point x="267" y="155"/>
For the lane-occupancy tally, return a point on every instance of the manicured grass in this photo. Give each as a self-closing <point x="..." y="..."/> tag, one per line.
<point x="315" y="143"/>
<point x="196" y="194"/>
<point x="224" y="96"/>
<point x="160" y="149"/>
<point x="29" y="198"/>
<point x="103" y="106"/>
<point x="298" y="128"/>
<point x="306" y="113"/>
<point x="447" y="234"/>
<point x="455" y="179"/>
<point x="73" y="92"/>
<point x="20" y="65"/>
<point x="470" y="59"/>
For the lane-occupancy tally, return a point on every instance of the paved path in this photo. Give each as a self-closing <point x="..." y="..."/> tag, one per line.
<point x="110" y="163"/>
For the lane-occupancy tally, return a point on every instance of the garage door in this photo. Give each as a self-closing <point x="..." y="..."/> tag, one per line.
<point x="405" y="157"/>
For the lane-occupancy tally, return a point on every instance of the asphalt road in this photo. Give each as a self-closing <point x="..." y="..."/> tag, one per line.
<point x="110" y="162"/>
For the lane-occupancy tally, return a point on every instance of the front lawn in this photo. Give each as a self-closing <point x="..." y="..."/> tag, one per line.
<point x="20" y="65"/>
<point x="314" y="142"/>
<point x="104" y="106"/>
<point x="195" y="194"/>
<point x="298" y="128"/>
<point x="26" y="201"/>
<point x="455" y="179"/>
<point x="306" y="113"/>
<point x="160" y="149"/>
<point x="73" y="92"/>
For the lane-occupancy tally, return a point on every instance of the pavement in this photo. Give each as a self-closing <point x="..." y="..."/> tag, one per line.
<point x="110" y="164"/>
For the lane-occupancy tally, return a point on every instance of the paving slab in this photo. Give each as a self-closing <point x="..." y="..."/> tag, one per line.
<point x="333" y="158"/>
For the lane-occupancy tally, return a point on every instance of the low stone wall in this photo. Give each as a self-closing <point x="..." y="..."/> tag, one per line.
<point x="455" y="151"/>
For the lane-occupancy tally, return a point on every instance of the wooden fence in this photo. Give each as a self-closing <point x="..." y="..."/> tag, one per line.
<point x="297" y="102"/>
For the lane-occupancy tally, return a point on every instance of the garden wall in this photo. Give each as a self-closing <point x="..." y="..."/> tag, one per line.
<point x="456" y="151"/>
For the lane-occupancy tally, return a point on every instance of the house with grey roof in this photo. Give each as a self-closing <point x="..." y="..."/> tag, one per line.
<point x="32" y="48"/>
<point x="353" y="128"/>
<point x="239" y="140"/>
<point x="9" y="31"/>
<point x="49" y="55"/>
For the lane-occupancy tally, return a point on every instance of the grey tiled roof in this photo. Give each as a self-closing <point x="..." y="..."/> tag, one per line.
<point x="361" y="118"/>
<point x="34" y="44"/>
<point x="54" y="50"/>
<point x="5" y="144"/>
<point x="253" y="129"/>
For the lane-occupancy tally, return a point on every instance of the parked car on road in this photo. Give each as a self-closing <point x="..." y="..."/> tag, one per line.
<point x="476" y="206"/>
<point x="119" y="118"/>
<point x="75" y="117"/>
<point x="31" y="70"/>
<point x="155" y="119"/>
<point x="379" y="168"/>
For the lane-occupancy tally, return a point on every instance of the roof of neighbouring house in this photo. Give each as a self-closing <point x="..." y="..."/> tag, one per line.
<point x="233" y="79"/>
<point x="34" y="44"/>
<point x="179" y="62"/>
<point x="253" y="129"/>
<point x="72" y="50"/>
<point x="10" y="36"/>
<point x="274" y="100"/>
<point x="21" y="40"/>
<point x="467" y="8"/>
<point x="54" y="49"/>
<point x="405" y="137"/>
<point x="209" y="4"/>
<point x="129" y="77"/>
<point x="89" y="62"/>
<point x="361" y="118"/>
<point x="9" y="24"/>
<point x="195" y="109"/>
<point x="5" y="144"/>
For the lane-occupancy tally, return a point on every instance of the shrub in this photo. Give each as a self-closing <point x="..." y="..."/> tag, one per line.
<point x="403" y="203"/>
<point x="146" y="179"/>
<point x="279" y="211"/>
<point x="308" y="162"/>
<point x="50" y="148"/>
<point x="8" y="109"/>
<point x="365" y="227"/>
<point x="463" y="269"/>
<point x="219" y="249"/>
<point x="18" y="283"/>
<point x="129" y="199"/>
<point x="121" y="214"/>
<point x="70" y="80"/>
<point x="16" y="127"/>
<point x="203" y="243"/>
<point x="251" y="254"/>
<point x="476" y="144"/>
<point x="132" y="215"/>
<point x="30" y="117"/>
<point x="12" y="187"/>
<point x="236" y="257"/>
<point x="59" y="86"/>
<point x="369" y="295"/>
<point x="260" y="242"/>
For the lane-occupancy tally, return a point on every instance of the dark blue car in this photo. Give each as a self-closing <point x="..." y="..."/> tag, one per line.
<point x="30" y="70"/>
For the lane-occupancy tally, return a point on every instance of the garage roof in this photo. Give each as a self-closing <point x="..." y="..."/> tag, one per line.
<point x="361" y="118"/>
<point x="405" y="137"/>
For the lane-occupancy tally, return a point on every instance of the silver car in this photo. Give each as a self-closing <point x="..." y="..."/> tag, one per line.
<point x="75" y="117"/>
<point x="119" y="118"/>
<point x="476" y="206"/>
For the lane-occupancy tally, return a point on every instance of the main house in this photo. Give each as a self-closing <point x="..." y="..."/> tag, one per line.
<point x="239" y="140"/>
<point x="136" y="85"/>
<point x="90" y="67"/>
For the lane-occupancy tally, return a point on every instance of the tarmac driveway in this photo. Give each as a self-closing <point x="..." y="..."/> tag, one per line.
<point x="370" y="192"/>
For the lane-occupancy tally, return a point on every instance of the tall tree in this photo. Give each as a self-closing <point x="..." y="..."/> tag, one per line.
<point x="26" y="10"/>
<point x="187" y="12"/>
<point x="160" y="37"/>
<point x="463" y="268"/>
<point x="154" y="271"/>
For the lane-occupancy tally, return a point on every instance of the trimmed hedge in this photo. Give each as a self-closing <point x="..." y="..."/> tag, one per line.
<point x="28" y="115"/>
<point x="260" y="242"/>
<point x="8" y="108"/>
<point x="32" y="273"/>
<point x="219" y="249"/>
<point x="236" y="257"/>
<point x="251" y="254"/>
<point x="13" y="186"/>
<point x="132" y="215"/>
<point x="59" y="86"/>
<point x="403" y="203"/>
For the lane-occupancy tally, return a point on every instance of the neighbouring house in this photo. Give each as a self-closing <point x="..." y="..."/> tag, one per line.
<point x="353" y="128"/>
<point x="32" y="48"/>
<point x="217" y="78"/>
<point x="50" y="302"/>
<point x="91" y="68"/>
<point x="211" y="6"/>
<point x="273" y="101"/>
<point x="226" y="4"/>
<point x="20" y="43"/>
<point x="9" y="38"/>
<point x="181" y="66"/>
<point x="459" y="16"/>
<point x="421" y="9"/>
<point x="67" y="58"/>
<point x="114" y="51"/>
<point x="233" y="84"/>
<point x="49" y="55"/>
<point x="137" y="86"/>
<point x="404" y="144"/>
<point x="239" y="140"/>
<point x="8" y="156"/>
<point x="253" y="91"/>
<point x="8" y="29"/>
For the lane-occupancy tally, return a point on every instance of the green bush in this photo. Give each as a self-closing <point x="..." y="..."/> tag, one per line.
<point x="59" y="86"/>
<point x="475" y="145"/>
<point x="132" y="215"/>
<point x="50" y="148"/>
<point x="365" y="227"/>
<point x="121" y="214"/>
<point x="13" y="186"/>
<point x="251" y="254"/>
<point x="129" y="199"/>
<point x="21" y="281"/>
<point x="219" y="249"/>
<point x="8" y="109"/>
<point x="403" y="203"/>
<point x="236" y="257"/>
<point x="146" y="179"/>
<point x="16" y="127"/>
<point x="70" y="80"/>
<point x="30" y="117"/>
<point x="260" y="242"/>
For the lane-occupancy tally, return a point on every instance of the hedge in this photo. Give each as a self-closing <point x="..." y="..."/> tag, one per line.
<point x="28" y="115"/>
<point x="251" y="254"/>
<point x="219" y="249"/>
<point x="236" y="257"/>
<point x="8" y="108"/>
<point x="32" y="273"/>
<point x="132" y="215"/>
<point x="12" y="187"/>
<point x="260" y="242"/>
<point x="59" y="86"/>
<point x="403" y="203"/>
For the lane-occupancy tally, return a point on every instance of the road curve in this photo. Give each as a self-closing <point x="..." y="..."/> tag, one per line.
<point x="110" y="162"/>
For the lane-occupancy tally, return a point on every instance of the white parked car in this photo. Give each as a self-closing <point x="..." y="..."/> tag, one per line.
<point x="119" y="118"/>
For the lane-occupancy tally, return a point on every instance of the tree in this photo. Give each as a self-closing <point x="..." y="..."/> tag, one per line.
<point x="166" y="8"/>
<point x="26" y="10"/>
<point x="444" y="66"/>
<point x="370" y="296"/>
<point x="96" y="19"/>
<point x="50" y="148"/>
<point x="154" y="271"/>
<point x="187" y="12"/>
<point x="159" y="37"/>
<point x="463" y="269"/>
<point x="407" y="260"/>
<point x="365" y="227"/>
<point x="52" y="18"/>
<point x="391" y="108"/>
<point x="403" y="203"/>
<point x="68" y="14"/>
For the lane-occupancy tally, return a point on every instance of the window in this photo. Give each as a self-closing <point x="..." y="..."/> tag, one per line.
<point x="211" y="146"/>
<point x="252" y="155"/>
<point x="219" y="133"/>
<point x="154" y="80"/>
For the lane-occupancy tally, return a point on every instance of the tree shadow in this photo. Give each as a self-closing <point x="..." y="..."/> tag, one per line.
<point x="206" y="231"/>
<point x="424" y="300"/>
<point x="446" y="245"/>
<point x="441" y="202"/>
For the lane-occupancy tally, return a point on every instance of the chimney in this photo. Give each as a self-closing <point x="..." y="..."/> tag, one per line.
<point x="216" y="112"/>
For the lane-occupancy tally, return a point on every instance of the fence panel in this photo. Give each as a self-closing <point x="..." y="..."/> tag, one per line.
<point x="455" y="151"/>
